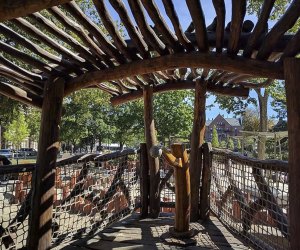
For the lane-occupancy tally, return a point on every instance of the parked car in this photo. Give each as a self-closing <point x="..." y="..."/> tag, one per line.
<point x="8" y="153"/>
<point x="25" y="152"/>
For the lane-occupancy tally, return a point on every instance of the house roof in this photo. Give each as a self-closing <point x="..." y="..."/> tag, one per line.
<point x="234" y="122"/>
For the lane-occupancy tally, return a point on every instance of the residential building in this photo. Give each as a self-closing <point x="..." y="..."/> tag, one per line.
<point x="225" y="127"/>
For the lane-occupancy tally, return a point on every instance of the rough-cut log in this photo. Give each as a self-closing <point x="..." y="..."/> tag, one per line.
<point x="133" y="33"/>
<point x="293" y="47"/>
<point x="23" y="84"/>
<point x="182" y="189"/>
<point x="179" y="85"/>
<point x="238" y="14"/>
<point x="80" y="32"/>
<point x="106" y="46"/>
<point x="18" y="69"/>
<point x="180" y="60"/>
<point x="105" y="88"/>
<point x="53" y="29"/>
<point x="20" y="95"/>
<point x="221" y="12"/>
<point x="40" y="220"/>
<point x="146" y="30"/>
<point x="197" y="139"/>
<point x="36" y="49"/>
<point x="286" y="22"/>
<point x="36" y="33"/>
<point x="161" y="25"/>
<point x="17" y="76"/>
<point x="260" y="28"/>
<point x="10" y="9"/>
<point x="153" y="162"/>
<point x="171" y="12"/>
<point x="197" y="15"/>
<point x="22" y="56"/>
<point x="206" y="181"/>
<point x="292" y="76"/>
<point x="144" y="180"/>
<point x="112" y="29"/>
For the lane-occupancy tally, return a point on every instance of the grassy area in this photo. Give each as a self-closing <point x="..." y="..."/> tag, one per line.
<point x="22" y="161"/>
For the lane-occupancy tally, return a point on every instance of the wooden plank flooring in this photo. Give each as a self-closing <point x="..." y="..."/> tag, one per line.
<point x="132" y="233"/>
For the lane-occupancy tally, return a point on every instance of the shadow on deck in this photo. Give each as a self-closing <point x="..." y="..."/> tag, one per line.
<point x="134" y="233"/>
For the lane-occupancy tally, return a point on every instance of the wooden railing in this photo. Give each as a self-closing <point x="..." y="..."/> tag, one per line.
<point x="92" y="191"/>
<point x="250" y="196"/>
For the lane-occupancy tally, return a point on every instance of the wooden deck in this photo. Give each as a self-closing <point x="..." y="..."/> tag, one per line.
<point x="132" y="233"/>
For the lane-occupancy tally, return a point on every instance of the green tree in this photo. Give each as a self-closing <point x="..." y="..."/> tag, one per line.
<point x="33" y="117"/>
<point x="250" y="120"/>
<point x="17" y="130"/>
<point x="215" y="138"/>
<point x="277" y="92"/>
<point x="173" y="113"/>
<point x="223" y="144"/>
<point x="238" y="144"/>
<point x="230" y="144"/>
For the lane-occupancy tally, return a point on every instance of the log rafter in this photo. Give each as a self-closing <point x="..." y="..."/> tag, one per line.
<point x="155" y="56"/>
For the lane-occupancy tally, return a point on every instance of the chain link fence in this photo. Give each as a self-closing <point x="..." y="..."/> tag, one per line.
<point x="91" y="192"/>
<point x="251" y="197"/>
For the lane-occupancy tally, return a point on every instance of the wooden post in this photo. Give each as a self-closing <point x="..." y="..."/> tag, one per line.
<point x="40" y="219"/>
<point x="196" y="141"/>
<point x="206" y="178"/>
<point x="153" y="162"/>
<point x="182" y="190"/>
<point x="144" y="180"/>
<point x="292" y="76"/>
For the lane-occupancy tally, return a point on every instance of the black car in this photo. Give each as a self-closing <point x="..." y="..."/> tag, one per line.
<point x="25" y="152"/>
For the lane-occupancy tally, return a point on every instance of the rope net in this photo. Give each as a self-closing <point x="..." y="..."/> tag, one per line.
<point x="251" y="198"/>
<point x="91" y="192"/>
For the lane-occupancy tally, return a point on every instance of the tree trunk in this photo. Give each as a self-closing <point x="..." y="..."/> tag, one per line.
<point x="197" y="140"/>
<point x="263" y="122"/>
<point x="292" y="76"/>
<point x="150" y="135"/>
<point x="40" y="219"/>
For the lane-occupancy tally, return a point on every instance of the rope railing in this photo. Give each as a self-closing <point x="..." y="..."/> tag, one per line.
<point x="250" y="196"/>
<point x="91" y="192"/>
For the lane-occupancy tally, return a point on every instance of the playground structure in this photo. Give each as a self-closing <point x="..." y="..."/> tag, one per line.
<point x="219" y="58"/>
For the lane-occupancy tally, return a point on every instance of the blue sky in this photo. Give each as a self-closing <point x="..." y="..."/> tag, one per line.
<point x="185" y="20"/>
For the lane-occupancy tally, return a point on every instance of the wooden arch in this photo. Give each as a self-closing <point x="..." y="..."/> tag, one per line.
<point x="49" y="49"/>
<point x="40" y="45"/>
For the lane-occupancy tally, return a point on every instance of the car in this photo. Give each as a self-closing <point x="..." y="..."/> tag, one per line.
<point x="7" y="153"/>
<point x="26" y="152"/>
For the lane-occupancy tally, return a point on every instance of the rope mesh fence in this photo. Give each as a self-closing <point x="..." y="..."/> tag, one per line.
<point x="91" y="192"/>
<point x="167" y="186"/>
<point x="15" y="185"/>
<point x="251" y="198"/>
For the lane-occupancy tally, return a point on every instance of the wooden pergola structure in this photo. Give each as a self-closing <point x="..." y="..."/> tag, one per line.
<point x="48" y="64"/>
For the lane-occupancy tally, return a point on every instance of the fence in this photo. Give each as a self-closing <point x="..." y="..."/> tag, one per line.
<point x="91" y="191"/>
<point x="251" y="197"/>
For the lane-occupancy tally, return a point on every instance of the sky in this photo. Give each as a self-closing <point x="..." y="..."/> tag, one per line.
<point x="185" y="20"/>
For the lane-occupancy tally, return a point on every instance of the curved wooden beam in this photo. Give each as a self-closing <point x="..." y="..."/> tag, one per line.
<point x="180" y="85"/>
<point x="10" y="9"/>
<point x="181" y="60"/>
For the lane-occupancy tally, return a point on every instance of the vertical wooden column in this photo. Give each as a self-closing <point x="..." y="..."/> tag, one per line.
<point x="292" y="80"/>
<point x="154" y="195"/>
<point x="196" y="141"/>
<point x="182" y="189"/>
<point x="144" y="180"/>
<point x="40" y="219"/>
<point x="206" y="180"/>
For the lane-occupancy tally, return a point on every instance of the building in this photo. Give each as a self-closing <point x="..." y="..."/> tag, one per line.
<point x="225" y="127"/>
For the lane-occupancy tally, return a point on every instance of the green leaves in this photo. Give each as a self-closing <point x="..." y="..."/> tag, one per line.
<point x="215" y="138"/>
<point x="17" y="130"/>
